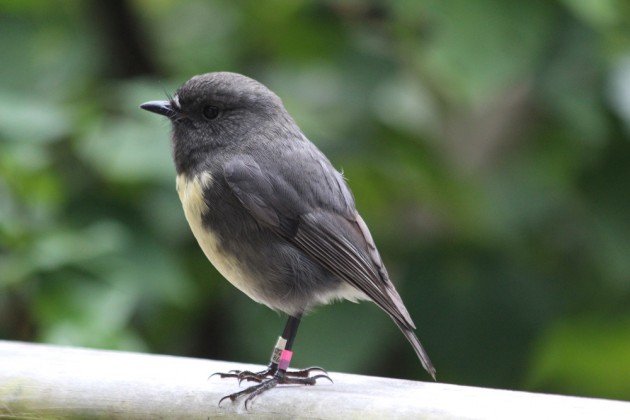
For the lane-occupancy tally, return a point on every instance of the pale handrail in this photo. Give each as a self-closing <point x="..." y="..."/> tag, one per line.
<point x="45" y="381"/>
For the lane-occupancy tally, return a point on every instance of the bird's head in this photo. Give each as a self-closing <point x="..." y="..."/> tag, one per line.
<point x="215" y="110"/>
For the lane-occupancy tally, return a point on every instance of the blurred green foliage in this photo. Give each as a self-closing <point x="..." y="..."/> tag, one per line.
<point x="487" y="143"/>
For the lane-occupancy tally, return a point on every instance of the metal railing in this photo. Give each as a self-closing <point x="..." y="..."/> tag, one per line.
<point x="45" y="381"/>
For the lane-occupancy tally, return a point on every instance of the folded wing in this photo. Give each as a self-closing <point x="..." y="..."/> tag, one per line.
<point x="335" y="236"/>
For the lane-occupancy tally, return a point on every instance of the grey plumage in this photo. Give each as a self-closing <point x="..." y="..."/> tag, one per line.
<point x="271" y="212"/>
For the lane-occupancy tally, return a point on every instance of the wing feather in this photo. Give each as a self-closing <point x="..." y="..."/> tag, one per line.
<point x="338" y="239"/>
<point x="338" y="255"/>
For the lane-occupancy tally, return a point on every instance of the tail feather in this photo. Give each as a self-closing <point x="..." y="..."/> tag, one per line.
<point x="415" y="343"/>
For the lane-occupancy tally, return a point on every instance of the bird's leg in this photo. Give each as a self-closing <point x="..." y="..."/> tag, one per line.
<point x="276" y="373"/>
<point x="288" y="334"/>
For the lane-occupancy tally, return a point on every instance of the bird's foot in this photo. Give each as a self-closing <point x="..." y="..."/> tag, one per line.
<point x="279" y="378"/>
<point x="270" y="371"/>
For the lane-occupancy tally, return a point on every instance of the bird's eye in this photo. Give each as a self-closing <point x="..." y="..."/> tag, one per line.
<point x="211" y="112"/>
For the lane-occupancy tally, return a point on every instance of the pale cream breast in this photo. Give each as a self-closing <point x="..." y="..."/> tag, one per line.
<point x="191" y="195"/>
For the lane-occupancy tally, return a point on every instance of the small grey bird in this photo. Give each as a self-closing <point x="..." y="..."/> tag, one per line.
<point x="272" y="214"/>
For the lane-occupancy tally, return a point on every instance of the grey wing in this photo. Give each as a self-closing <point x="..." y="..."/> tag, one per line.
<point x="333" y="235"/>
<point x="338" y="242"/>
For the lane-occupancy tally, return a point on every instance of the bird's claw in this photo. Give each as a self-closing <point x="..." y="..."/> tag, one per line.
<point x="245" y="375"/>
<point x="249" y="376"/>
<point x="321" y="376"/>
<point x="304" y="373"/>
<point x="266" y="384"/>
<point x="224" y="375"/>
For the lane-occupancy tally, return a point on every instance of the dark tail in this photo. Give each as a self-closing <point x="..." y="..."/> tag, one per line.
<point x="415" y="343"/>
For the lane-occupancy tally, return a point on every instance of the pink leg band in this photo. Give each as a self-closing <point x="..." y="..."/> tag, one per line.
<point x="285" y="359"/>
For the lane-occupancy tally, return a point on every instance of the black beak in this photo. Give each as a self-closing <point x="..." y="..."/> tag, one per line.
<point x="159" y="107"/>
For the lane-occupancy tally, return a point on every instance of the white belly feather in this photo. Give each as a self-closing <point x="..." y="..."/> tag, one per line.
<point x="191" y="195"/>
